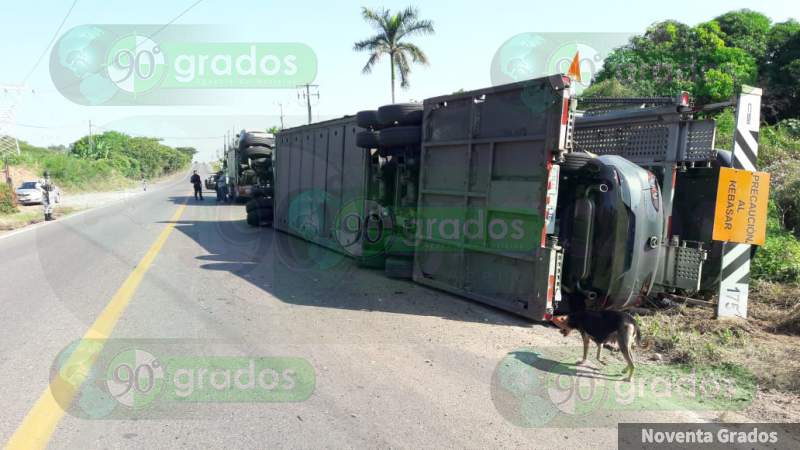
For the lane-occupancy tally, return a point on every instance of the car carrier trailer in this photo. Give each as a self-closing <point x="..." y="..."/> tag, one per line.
<point x="514" y="197"/>
<point x="248" y="164"/>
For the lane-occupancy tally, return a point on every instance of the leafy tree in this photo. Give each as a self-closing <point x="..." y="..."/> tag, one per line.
<point x="745" y="29"/>
<point x="190" y="151"/>
<point x="671" y="57"/>
<point x="781" y="72"/>
<point x="273" y="129"/>
<point x="393" y="30"/>
<point x="608" y="88"/>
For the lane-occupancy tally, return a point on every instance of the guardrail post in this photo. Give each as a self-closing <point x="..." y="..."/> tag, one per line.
<point x="735" y="271"/>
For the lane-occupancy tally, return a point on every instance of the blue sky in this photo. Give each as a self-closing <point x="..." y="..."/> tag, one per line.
<point x="468" y="34"/>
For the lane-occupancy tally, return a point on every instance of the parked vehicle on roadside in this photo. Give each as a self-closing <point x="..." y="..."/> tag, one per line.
<point x="211" y="182"/>
<point x="31" y="192"/>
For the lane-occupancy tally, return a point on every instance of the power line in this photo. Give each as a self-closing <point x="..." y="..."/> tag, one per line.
<point x="176" y="17"/>
<point x="53" y="39"/>
<point x="105" y="64"/>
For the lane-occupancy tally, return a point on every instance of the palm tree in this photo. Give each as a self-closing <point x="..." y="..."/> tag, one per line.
<point x="392" y="29"/>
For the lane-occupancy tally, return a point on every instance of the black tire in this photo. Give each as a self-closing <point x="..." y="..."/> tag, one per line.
<point x="399" y="267"/>
<point x="400" y="136"/>
<point x="575" y="161"/>
<point x="249" y="140"/>
<point x="257" y="152"/>
<point x="253" y="219"/>
<point x="367" y="139"/>
<point x="265" y="202"/>
<point x="258" y="203"/>
<point x="259" y="217"/>
<point x="401" y="114"/>
<point x="368" y="119"/>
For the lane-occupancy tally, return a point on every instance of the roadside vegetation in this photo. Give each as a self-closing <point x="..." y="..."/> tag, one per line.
<point x="111" y="160"/>
<point x="7" y="205"/>
<point x="712" y="60"/>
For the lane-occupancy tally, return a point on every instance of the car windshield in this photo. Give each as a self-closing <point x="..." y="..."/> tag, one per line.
<point x="28" y="185"/>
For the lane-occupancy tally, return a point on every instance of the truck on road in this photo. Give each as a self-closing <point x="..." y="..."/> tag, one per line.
<point x="521" y="196"/>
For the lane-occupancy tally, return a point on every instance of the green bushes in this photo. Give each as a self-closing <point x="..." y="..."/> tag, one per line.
<point x="6" y="200"/>
<point x="779" y="258"/>
<point x="111" y="161"/>
<point x="132" y="157"/>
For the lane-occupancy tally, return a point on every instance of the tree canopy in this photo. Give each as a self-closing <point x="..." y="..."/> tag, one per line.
<point x="712" y="60"/>
<point x="133" y="156"/>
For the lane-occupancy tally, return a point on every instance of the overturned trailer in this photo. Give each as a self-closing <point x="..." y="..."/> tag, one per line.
<point x="513" y="197"/>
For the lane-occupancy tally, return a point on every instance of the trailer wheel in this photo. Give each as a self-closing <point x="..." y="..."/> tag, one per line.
<point x="401" y="114"/>
<point x="258" y="203"/>
<point x="399" y="267"/>
<point x="367" y="139"/>
<point x="253" y="219"/>
<point x="259" y="217"/>
<point x="575" y="161"/>
<point x="368" y="119"/>
<point x="400" y="136"/>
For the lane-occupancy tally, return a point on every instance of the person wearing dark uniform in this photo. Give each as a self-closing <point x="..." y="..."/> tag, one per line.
<point x="198" y="185"/>
<point x="48" y="197"/>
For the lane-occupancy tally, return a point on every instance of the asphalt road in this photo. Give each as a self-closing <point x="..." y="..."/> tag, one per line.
<point x="394" y="364"/>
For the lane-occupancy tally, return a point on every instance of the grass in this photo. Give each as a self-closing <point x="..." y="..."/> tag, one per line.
<point x="30" y="216"/>
<point x="767" y="344"/>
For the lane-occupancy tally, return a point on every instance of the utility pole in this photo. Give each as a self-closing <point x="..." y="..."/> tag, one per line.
<point x="91" y="142"/>
<point x="280" y="105"/>
<point x="306" y="95"/>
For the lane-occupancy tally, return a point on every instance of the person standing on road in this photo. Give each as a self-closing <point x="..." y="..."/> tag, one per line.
<point x="222" y="188"/>
<point x="48" y="196"/>
<point x="198" y="185"/>
<point x="144" y="183"/>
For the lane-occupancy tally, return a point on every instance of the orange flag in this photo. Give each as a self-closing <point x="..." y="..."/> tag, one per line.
<point x="575" y="68"/>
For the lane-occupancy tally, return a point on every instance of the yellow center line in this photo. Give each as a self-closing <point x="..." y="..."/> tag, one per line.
<point x="40" y="423"/>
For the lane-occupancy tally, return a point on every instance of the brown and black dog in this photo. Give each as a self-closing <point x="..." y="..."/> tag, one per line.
<point x="602" y="327"/>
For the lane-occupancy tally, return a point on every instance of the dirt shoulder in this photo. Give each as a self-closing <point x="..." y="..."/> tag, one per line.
<point x="766" y="346"/>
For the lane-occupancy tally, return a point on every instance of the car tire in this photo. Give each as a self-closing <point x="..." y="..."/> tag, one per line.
<point x="368" y="119"/>
<point x="367" y="139"/>
<point x="400" y="136"/>
<point x="576" y="161"/>
<point x="401" y="114"/>
<point x="402" y="268"/>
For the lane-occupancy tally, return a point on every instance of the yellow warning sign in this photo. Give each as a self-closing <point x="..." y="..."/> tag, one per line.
<point x="741" y="210"/>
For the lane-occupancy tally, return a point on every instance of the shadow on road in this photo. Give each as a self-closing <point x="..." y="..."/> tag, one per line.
<point x="543" y="364"/>
<point x="301" y="273"/>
